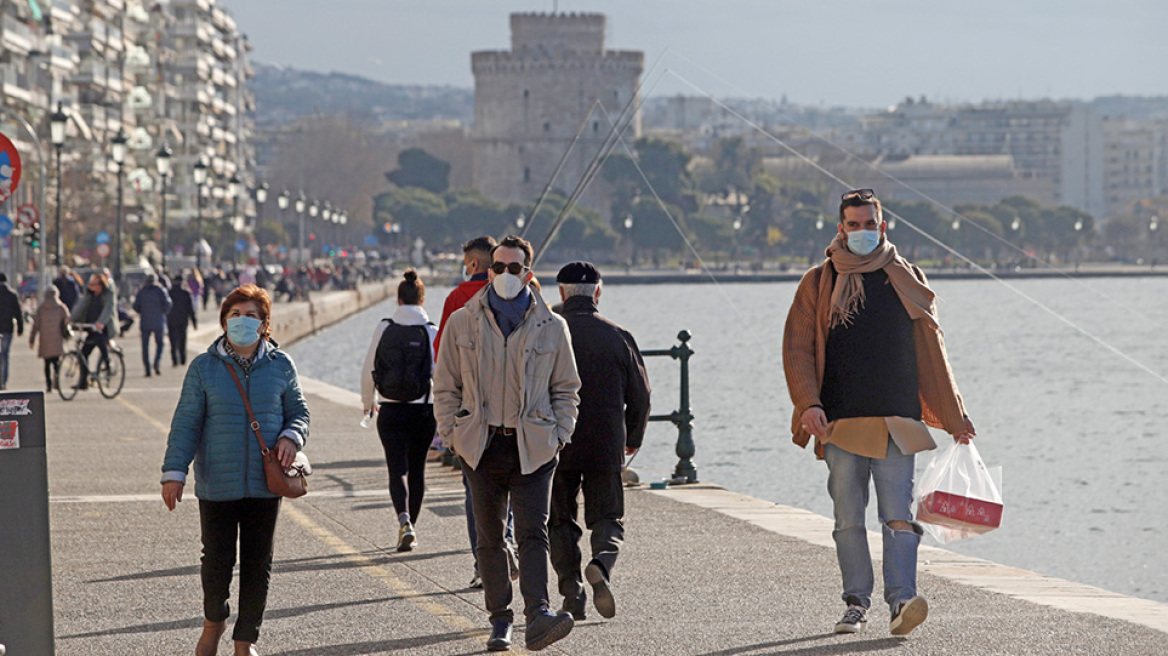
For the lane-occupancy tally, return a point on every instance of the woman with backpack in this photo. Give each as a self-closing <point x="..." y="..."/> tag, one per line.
<point x="397" y="372"/>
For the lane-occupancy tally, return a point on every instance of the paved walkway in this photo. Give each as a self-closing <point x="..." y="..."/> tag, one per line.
<point x="704" y="571"/>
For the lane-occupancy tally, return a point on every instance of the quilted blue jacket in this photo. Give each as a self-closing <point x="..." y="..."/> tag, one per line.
<point x="210" y="424"/>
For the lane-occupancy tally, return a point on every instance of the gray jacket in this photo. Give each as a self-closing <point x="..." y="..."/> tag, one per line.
<point x="538" y="354"/>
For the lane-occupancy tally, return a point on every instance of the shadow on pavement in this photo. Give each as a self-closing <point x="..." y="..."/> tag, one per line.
<point x="381" y="646"/>
<point x="879" y="644"/>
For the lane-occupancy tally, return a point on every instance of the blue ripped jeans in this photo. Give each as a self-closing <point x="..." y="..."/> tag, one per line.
<point x="847" y="482"/>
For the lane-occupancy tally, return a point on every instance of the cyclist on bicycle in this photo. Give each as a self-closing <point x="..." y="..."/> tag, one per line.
<point x="97" y="307"/>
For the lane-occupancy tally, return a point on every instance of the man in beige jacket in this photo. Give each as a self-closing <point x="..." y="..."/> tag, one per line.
<point x="867" y="370"/>
<point x="505" y="397"/>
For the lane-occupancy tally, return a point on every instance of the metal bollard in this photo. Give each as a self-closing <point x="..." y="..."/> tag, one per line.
<point x="685" y="472"/>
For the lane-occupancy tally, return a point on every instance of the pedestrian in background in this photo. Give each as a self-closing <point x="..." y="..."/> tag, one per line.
<point x="210" y="428"/>
<point x="11" y="317"/>
<point x="152" y="303"/>
<point x="613" y="414"/>
<point x="69" y="286"/>
<point x="866" y="369"/>
<point x="182" y="312"/>
<point x="505" y="396"/>
<point x="397" y="371"/>
<point x="51" y="322"/>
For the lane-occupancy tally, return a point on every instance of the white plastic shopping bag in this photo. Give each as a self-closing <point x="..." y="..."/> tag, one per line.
<point x="958" y="497"/>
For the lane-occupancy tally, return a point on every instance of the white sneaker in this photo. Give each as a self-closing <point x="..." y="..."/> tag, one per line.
<point x="909" y="615"/>
<point x="406" y="538"/>
<point x="853" y="621"/>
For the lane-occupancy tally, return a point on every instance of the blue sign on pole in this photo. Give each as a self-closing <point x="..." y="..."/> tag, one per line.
<point x="103" y="238"/>
<point x="5" y="225"/>
<point x="240" y="245"/>
<point x="370" y="240"/>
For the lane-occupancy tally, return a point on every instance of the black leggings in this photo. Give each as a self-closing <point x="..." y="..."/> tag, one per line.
<point x="252" y="521"/>
<point x="51" y="366"/>
<point x="406" y="431"/>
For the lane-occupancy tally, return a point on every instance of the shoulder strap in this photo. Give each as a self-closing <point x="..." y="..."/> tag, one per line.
<point x="255" y="425"/>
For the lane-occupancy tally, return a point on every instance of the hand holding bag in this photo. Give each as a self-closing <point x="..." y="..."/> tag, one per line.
<point x="291" y="482"/>
<point x="958" y="496"/>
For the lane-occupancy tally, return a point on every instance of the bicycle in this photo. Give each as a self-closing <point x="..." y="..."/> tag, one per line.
<point x="109" y="376"/>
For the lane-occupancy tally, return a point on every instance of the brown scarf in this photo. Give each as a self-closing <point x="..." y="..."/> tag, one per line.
<point x="848" y="296"/>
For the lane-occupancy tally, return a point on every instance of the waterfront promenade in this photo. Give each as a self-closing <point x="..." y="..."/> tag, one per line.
<point x="704" y="571"/>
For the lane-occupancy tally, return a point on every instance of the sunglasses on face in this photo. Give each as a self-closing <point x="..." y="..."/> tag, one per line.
<point x="513" y="268"/>
<point x="858" y="194"/>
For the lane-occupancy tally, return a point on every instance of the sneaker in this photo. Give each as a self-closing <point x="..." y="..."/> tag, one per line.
<point x="475" y="581"/>
<point x="909" y="615"/>
<point x="512" y="563"/>
<point x="853" y="621"/>
<point x="406" y="538"/>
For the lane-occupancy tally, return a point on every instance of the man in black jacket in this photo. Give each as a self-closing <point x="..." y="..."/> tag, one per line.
<point x="614" y="410"/>
<point x="10" y="314"/>
<point x="182" y="312"/>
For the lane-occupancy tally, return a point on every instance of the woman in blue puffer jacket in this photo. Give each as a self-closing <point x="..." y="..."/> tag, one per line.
<point x="211" y="428"/>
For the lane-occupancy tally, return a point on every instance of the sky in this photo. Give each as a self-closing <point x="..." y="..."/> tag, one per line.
<point x="851" y="53"/>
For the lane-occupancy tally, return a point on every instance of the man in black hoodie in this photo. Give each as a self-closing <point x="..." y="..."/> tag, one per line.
<point x="182" y="312"/>
<point x="11" y="314"/>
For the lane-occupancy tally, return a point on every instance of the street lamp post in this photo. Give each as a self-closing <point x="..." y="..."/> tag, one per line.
<point x="162" y="159"/>
<point x="1153" y="226"/>
<point x="313" y="210"/>
<point x="282" y="202"/>
<point x="58" y="121"/>
<point x="300" y="203"/>
<point x="261" y="197"/>
<point x="233" y="189"/>
<point x="118" y="152"/>
<point x="200" y="173"/>
<point x="629" y="241"/>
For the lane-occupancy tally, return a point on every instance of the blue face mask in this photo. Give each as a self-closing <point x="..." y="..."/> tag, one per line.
<point x="243" y="331"/>
<point x="862" y="242"/>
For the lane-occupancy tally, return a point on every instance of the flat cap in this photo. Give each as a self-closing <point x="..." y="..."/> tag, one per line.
<point x="578" y="273"/>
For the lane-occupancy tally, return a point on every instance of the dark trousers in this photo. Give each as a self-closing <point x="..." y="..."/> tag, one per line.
<point x="406" y="430"/>
<point x="604" y="508"/>
<point x="146" y="347"/>
<point x="93" y="340"/>
<point x="498" y="477"/>
<point x="253" y="522"/>
<point x="51" y="366"/>
<point x="178" y="344"/>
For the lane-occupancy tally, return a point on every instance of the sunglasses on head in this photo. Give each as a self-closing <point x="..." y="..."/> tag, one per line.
<point x="513" y="268"/>
<point x="858" y="194"/>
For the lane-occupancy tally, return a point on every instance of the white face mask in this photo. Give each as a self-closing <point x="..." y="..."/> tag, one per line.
<point x="507" y="285"/>
<point x="862" y="242"/>
<point x="465" y="274"/>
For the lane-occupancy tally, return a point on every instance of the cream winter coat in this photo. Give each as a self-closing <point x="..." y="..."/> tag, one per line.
<point x="538" y="353"/>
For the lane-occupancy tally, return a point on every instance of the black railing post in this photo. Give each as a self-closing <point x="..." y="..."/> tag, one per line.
<point x="685" y="472"/>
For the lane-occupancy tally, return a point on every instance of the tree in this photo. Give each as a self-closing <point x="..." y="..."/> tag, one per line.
<point x="417" y="168"/>
<point x="420" y="212"/>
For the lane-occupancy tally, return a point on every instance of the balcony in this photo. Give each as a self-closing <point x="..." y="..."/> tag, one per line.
<point x="15" y="36"/>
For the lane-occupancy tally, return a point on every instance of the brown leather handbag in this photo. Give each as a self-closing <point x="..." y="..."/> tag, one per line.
<point x="291" y="482"/>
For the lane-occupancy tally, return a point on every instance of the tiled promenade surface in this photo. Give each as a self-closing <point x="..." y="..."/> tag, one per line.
<point x="704" y="571"/>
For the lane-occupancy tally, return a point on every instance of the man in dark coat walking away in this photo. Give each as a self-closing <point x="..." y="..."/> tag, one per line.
<point x="614" y="411"/>
<point x="152" y="305"/>
<point x="69" y="287"/>
<point x="11" y="315"/>
<point x="182" y="312"/>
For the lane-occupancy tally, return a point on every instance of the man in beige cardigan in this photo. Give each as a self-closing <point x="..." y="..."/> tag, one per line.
<point x="867" y="370"/>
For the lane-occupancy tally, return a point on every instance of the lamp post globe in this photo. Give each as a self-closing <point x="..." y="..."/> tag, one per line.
<point x="282" y="200"/>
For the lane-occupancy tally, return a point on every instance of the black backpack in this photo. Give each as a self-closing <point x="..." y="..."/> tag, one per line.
<point x="402" y="365"/>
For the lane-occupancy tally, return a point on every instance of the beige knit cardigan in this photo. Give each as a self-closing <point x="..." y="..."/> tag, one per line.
<point x="804" y="356"/>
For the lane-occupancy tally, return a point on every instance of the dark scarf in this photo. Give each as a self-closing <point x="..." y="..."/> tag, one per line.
<point x="508" y="314"/>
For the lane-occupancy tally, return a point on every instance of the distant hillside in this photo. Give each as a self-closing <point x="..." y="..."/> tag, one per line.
<point x="284" y="94"/>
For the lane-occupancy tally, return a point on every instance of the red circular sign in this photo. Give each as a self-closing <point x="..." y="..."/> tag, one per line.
<point x="103" y="250"/>
<point x="27" y="215"/>
<point x="9" y="168"/>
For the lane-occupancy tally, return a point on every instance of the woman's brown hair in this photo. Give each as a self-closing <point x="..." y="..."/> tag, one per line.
<point x="411" y="290"/>
<point x="243" y="294"/>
